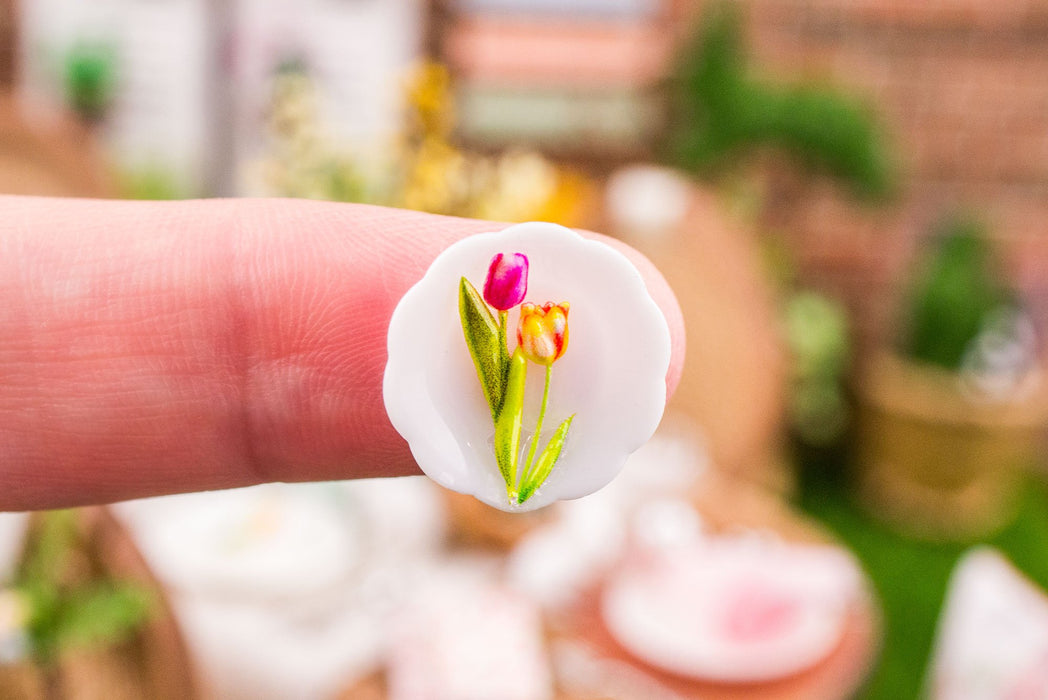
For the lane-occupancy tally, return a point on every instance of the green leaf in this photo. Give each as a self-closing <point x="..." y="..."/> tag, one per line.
<point x="546" y="460"/>
<point x="489" y="353"/>
<point x="68" y="606"/>
<point x="507" y="425"/>
<point x="956" y="293"/>
<point x="103" y="614"/>
<point x="55" y="539"/>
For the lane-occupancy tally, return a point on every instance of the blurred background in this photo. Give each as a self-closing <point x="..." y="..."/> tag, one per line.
<point x="847" y="495"/>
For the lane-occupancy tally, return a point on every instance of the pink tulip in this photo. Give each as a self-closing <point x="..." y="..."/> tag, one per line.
<point x="507" y="281"/>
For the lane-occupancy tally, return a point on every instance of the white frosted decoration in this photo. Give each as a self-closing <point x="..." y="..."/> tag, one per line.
<point x="265" y="584"/>
<point x="669" y="464"/>
<point x="556" y="563"/>
<point x="732" y="610"/>
<point x="612" y="376"/>
<point x="992" y="640"/>
<point x="667" y="523"/>
<point x="249" y="652"/>
<point x="403" y="517"/>
<point x="462" y="639"/>
<point x="275" y="543"/>
<point x="647" y="200"/>
<point x="13" y="527"/>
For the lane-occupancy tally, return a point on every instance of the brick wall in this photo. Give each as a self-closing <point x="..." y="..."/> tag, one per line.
<point x="961" y="87"/>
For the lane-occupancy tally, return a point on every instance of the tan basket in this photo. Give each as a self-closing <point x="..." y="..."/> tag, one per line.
<point x="935" y="463"/>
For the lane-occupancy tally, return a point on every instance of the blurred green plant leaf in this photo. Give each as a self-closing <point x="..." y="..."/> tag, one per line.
<point x="953" y="295"/>
<point x="65" y="609"/>
<point x="102" y="614"/>
<point x="90" y="79"/>
<point x="721" y="114"/>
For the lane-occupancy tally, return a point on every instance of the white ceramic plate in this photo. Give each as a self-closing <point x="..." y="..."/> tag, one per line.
<point x="731" y="611"/>
<point x="276" y="542"/>
<point x="612" y="377"/>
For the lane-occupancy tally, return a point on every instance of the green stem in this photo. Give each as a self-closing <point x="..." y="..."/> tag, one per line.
<point x="508" y="424"/>
<point x="503" y="316"/>
<point x="526" y="472"/>
<point x="511" y="489"/>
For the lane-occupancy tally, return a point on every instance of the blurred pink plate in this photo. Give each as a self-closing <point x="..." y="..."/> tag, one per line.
<point x="733" y="611"/>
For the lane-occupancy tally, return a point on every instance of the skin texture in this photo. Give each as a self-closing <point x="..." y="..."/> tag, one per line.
<point x="163" y="347"/>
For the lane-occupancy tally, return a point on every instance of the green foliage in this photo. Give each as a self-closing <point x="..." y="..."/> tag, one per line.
<point x="101" y="614"/>
<point x="721" y="113"/>
<point x="302" y="159"/>
<point x="150" y="183"/>
<point x="817" y="335"/>
<point x="830" y="130"/>
<point x="911" y="577"/>
<point x="953" y="296"/>
<point x="67" y="610"/>
<point x="90" y="71"/>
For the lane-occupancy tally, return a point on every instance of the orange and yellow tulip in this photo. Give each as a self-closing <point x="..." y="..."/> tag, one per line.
<point x="542" y="333"/>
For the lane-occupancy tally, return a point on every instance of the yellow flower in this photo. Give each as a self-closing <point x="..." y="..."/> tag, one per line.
<point x="542" y="333"/>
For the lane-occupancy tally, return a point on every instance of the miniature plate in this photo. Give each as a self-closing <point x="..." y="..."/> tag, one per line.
<point x="580" y="336"/>
<point x="731" y="612"/>
<point x="273" y="542"/>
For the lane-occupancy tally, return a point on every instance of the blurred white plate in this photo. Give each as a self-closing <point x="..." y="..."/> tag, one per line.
<point x="731" y="610"/>
<point x="277" y="542"/>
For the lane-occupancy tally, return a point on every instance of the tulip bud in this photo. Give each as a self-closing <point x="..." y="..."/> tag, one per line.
<point x="507" y="281"/>
<point x="542" y="333"/>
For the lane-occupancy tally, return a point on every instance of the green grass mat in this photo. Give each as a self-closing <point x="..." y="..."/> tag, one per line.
<point x="911" y="577"/>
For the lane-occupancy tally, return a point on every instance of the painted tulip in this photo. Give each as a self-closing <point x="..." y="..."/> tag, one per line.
<point x="542" y="333"/>
<point x="507" y="281"/>
<point x="505" y="450"/>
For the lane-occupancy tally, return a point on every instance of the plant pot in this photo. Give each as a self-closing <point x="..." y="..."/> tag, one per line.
<point x="935" y="463"/>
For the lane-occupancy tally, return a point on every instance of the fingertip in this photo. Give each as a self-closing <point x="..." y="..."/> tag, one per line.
<point x="664" y="297"/>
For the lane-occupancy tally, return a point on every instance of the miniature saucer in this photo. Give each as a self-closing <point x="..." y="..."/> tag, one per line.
<point x="564" y="340"/>
<point x="732" y="611"/>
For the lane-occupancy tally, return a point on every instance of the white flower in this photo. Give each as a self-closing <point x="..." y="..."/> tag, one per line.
<point x="611" y="377"/>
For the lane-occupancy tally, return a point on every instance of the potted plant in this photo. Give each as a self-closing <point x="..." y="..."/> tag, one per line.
<point x="949" y="419"/>
<point x="81" y="617"/>
<point x="90" y="80"/>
